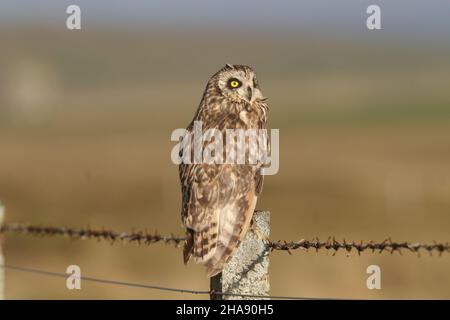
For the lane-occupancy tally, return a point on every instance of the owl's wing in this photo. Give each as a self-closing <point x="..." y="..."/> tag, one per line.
<point x="199" y="186"/>
<point x="218" y="203"/>
<point x="199" y="199"/>
<point x="259" y="178"/>
<point x="259" y="182"/>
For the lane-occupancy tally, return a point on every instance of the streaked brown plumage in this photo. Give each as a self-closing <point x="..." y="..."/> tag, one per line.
<point x="218" y="200"/>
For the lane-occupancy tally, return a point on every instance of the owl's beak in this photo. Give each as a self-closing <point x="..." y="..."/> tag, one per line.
<point x="249" y="93"/>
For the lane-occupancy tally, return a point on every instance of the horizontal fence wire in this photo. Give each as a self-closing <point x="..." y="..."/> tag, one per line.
<point x="387" y="245"/>
<point x="147" y="238"/>
<point x="137" y="237"/>
<point x="154" y="287"/>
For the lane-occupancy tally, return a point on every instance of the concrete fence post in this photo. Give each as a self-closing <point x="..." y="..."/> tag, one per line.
<point x="247" y="272"/>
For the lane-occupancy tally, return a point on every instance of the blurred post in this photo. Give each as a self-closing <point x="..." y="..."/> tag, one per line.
<point x="2" y="260"/>
<point x="247" y="272"/>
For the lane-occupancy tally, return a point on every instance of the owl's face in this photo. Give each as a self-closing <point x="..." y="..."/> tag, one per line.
<point x="239" y="83"/>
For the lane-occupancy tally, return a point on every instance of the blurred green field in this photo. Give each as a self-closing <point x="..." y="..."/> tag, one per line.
<point x="85" y="124"/>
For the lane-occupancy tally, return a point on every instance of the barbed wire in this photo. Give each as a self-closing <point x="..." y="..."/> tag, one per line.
<point x="154" y="287"/>
<point x="147" y="238"/>
<point x="386" y="245"/>
<point x="139" y="237"/>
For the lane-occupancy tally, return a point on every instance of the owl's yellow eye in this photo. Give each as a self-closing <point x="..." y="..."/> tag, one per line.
<point x="234" y="83"/>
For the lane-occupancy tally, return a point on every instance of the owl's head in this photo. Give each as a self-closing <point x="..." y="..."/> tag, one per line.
<point x="237" y="83"/>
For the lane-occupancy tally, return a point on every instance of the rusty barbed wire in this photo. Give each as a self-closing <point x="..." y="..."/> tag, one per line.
<point x="387" y="245"/>
<point x="139" y="237"/>
<point x="147" y="238"/>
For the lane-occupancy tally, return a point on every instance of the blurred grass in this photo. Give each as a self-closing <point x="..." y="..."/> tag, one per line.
<point x="85" y="125"/>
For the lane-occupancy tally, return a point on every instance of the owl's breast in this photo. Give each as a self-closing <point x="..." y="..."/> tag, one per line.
<point x="244" y="117"/>
<point x="253" y="116"/>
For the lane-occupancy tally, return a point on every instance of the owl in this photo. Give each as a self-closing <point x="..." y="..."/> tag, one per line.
<point x="218" y="200"/>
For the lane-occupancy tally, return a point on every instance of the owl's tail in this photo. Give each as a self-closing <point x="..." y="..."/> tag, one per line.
<point x="233" y="227"/>
<point x="200" y="245"/>
<point x="215" y="244"/>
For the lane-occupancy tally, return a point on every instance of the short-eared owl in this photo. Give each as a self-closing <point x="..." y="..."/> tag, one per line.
<point x="218" y="200"/>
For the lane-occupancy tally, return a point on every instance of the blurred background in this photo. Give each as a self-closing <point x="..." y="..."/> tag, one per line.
<point x="364" y="119"/>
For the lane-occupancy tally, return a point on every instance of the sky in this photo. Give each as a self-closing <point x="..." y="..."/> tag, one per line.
<point x="417" y="19"/>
